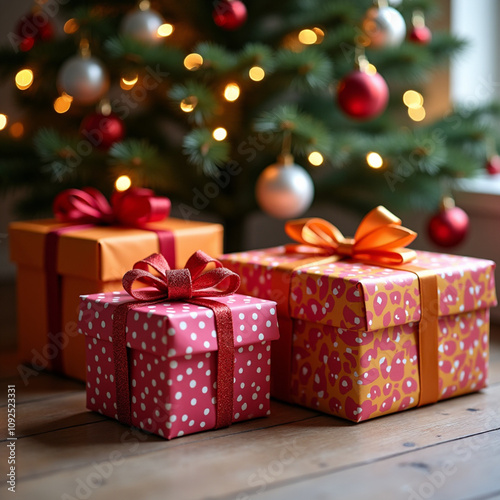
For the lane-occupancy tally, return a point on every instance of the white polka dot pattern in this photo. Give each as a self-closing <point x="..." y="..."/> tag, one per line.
<point x="173" y="361"/>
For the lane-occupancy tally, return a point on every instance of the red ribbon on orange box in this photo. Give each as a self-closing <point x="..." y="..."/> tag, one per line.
<point x="193" y="285"/>
<point x="380" y="240"/>
<point x="88" y="207"/>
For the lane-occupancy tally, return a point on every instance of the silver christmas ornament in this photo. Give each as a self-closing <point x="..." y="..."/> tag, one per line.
<point x="284" y="190"/>
<point x="142" y="25"/>
<point x="83" y="78"/>
<point x="384" y="27"/>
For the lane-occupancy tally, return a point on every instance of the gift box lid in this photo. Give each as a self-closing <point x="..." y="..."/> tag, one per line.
<point x="105" y="253"/>
<point x="177" y="328"/>
<point x="358" y="296"/>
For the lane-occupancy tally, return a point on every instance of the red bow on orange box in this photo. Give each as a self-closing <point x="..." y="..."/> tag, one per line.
<point x="86" y="208"/>
<point x="380" y="237"/>
<point x="133" y="207"/>
<point x="189" y="284"/>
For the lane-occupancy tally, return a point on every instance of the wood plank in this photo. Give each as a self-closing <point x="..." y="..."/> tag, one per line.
<point x="226" y="465"/>
<point x="462" y="469"/>
<point x="94" y="442"/>
<point x="39" y="386"/>
<point x="49" y="415"/>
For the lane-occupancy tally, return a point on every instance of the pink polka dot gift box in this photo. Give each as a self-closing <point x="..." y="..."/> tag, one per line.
<point x="368" y="327"/>
<point x="175" y="366"/>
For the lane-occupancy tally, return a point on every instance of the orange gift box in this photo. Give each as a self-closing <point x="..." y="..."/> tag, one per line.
<point x="89" y="260"/>
<point x="353" y="349"/>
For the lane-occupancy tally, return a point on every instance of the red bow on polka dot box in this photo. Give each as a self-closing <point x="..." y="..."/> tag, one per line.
<point x="184" y="354"/>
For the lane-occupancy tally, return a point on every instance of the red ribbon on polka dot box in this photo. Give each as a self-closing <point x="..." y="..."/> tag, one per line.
<point x="172" y="359"/>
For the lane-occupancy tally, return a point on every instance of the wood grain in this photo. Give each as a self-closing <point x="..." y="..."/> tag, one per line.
<point x="450" y="450"/>
<point x="241" y="461"/>
<point x="39" y="386"/>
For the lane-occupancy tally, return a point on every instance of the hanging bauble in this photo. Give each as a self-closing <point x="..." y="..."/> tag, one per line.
<point x="419" y="32"/>
<point x="362" y="95"/>
<point x="84" y="78"/>
<point x="142" y="25"/>
<point x="421" y="35"/>
<point x="102" y="130"/>
<point x="34" y="27"/>
<point x="284" y="189"/>
<point x="384" y="27"/>
<point x="493" y="165"/>
<point x="229" y="14"/>
<point x="449" y="226"/>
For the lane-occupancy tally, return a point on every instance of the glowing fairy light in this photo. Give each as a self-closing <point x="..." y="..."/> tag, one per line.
<point x="315" y="158"/>
<point x="256" y="73"/>
<point x="165" y="30"/>
<point x="231" y="92"/>
<point x="374" y="160"/>
<point x="219" y="134"/>
<point x="193" y="61"/>
<point x="24" y="79"/>
<point x="123" y="183"/>
<point x="413" y="99"/>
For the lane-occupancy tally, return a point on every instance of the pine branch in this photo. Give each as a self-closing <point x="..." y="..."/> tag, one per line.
<point x="205" y="152"/>
<point x="257" y="54"/>
<point x="197" y="97"/>
<point x="216" y="58"/>
<point x="58" y="154"/>
<point x="164" y="57"/>
<point x="142" y="162"/>
<point x="307" y="133"/>
<point x="308" y="70"/>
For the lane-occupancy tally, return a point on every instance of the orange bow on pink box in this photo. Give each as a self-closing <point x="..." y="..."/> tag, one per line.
<point x="380" y="237"/>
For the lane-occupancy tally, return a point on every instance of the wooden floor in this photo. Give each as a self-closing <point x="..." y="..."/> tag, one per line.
<point x="450" y="450"/>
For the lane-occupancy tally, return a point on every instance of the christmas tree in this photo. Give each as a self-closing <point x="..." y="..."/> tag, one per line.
<point x="205" y="102"/>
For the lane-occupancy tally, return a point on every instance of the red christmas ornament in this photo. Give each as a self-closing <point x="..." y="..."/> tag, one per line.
<point x="34" y="27"/>
<point x="102" y="130"/>
<point x="421" y="35"/>
<point x="449" y="226"/>
<point x="229" y="14"/>
<point x="493" y="165"/>
<point x="362" y="95"/>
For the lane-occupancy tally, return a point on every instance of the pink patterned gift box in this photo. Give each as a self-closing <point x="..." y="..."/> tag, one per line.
<point x="172" y="357"/>
<point x="355" y="342"/>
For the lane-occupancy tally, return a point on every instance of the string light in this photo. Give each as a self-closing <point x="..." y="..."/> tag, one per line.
<point x="307" y="37"/>
<point x="320" y="34"/>
<point x="188" y="104"/>
<point x="219" y="134"/>
<point x="24" y="79"/>
<point x="231" y="92"/>
<point x="416" y="114"/>
<point x="165" y="30"/>
<point x="374" y="160"/>
<point x="256" y="73"/>
<point x="63" y="103"/>
<point x="3" y="121"/>
<point x="123" y="183"/>
<point x="16" y="130"/>
<point x="70" y="26"/>
<point x="193" y="61"/>
<point x="128" y="83"/>
<point x="315" y="158"/>
<point x="370" y="69"/>
<point x="413" y="99"/>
